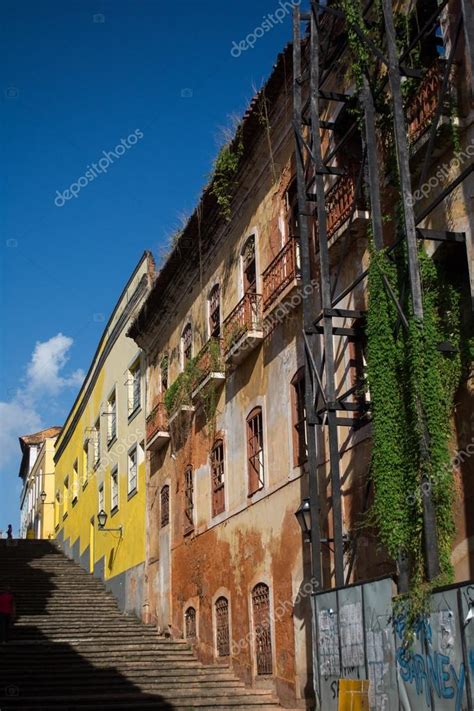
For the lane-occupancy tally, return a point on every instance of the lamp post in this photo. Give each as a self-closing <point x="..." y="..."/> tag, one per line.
<point x="303" y="516"/>
<point x="102" y="520"/>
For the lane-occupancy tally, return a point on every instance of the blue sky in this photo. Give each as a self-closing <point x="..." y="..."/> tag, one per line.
<point x="76" y="78"/>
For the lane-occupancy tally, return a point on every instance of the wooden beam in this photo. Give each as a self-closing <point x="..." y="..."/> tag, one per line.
<point x="326" y="300"/>
<point x="314" y="496"/>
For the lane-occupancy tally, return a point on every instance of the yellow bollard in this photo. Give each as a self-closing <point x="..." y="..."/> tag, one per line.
<point x="353" y="695"/>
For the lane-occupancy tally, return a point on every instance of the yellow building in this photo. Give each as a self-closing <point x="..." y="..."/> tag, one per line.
<point x="37" y="474"/>
<point x="99" y="458"/>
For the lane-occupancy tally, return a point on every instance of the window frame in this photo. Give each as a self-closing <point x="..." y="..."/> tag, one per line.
<point x="248" y="286"/>
<point x="214" y="311"/>
<point x="131" y="491"/>
<point x="298" y="417"/>
<point x="75" y="482"/>
<point x="186" y="344"/>
<point x="217" y="476"/>
<point x="164" y="382"/>
<point x="114" y="489"/>
<point x="255" y="478"/>
<point x="189" y="504"/>
<point x="112" y="418"/>
<point x="96" y="443"/>
<point x="134" y="383"/>
<point x="195" y="623"/>
<point x="100" y="497"/>
<point x="85" y="462"/>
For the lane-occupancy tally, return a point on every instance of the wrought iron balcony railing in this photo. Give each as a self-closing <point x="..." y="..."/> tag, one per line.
<point x="281" y="272"/>
<point x="424" y="103"/>
<point x="341" y="201"/>
<point x="157" y="421"/>
<point x="209" y="364"/>
<point x="245" y="319"/>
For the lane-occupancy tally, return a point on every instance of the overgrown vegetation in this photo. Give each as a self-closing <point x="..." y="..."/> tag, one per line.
<point x="412" y="386"/>
<point x="180" y="392"/>
<point x="226" y="166"/>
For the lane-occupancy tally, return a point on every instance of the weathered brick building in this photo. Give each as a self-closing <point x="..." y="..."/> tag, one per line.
<point x="227" y="438"/>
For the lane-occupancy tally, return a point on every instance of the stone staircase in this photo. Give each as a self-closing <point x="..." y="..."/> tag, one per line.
<point x="71" y="648"/>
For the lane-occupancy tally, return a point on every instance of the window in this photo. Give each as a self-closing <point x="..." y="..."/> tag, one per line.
<point x="249" y="267"/>
<point x="101" y="499"/>
<point x="97" y="443"/>
<point x="188" y="499"/>
<point x="215" y="312"/>
<point x="190" y="623"/>
<point x="114" y="490"/>
<point x="222" y="627"/>
<point x="165" y="506"/>
<point x="262" y="628"/>
<point x="255" y="450"/>
<point x="291" y="200"/>
<point x="357" y="363"/>
<point x="187" y="344"/>
<point x="164" y="373"/>
<point x="112" y="419"/>
<point x="217" y="476"/>
<point x="75" y="482"/>
<point x="132" y="470"/>
<point x="300" y="445"/>
<point x="85" y="462"/>
<point x="134" y="387"/>
<point x="65" y="496"/>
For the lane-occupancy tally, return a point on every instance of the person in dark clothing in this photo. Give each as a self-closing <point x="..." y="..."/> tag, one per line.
<point x="7" y="613"/>
<point x="9" y="531"/>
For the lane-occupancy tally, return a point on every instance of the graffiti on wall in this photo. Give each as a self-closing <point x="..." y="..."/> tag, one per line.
<point x="358" y="638"/>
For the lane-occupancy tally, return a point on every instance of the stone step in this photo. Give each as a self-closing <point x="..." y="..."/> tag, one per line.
<point x="112" y="699"/>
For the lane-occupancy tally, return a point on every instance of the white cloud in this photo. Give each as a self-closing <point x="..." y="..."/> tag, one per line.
<point x="44" y="379"/>
<point x="48" y="359"/>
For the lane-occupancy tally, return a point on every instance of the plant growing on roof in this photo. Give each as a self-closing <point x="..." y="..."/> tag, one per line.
<point x="226" y="166"/>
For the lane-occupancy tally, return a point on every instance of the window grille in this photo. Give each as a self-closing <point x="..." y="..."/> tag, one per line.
<point x="188" y="499"/>
<point x="222" y="627"/>
<point x="262" y="629"/>
<point x="215" y="312"/>
<point x="165" y="506"/>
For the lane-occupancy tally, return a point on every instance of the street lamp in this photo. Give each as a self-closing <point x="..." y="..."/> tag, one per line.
<point x="102" y="520"/>
<point x="43" y="496"/>
<point x="303" y="515"/>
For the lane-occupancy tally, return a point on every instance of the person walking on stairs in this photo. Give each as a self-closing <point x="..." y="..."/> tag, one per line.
<point x="7" y="613"/>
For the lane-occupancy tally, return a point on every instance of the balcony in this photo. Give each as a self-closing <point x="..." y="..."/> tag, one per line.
<point x="342" y="203"/>
<point x="282" y="275"/>
<point x="243" y="328"/>
<point x="423" y="105"/>
<point x="157" y="434"/>
<point x="209" y="368"/>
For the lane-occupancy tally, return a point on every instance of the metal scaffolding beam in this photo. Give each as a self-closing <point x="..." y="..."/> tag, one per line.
<point x="315" y="166"/>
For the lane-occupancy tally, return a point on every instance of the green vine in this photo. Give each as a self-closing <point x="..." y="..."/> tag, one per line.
<point x="226" y="166"/>
<point x="180" y="392"/>
<point x="412" y="386"/>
